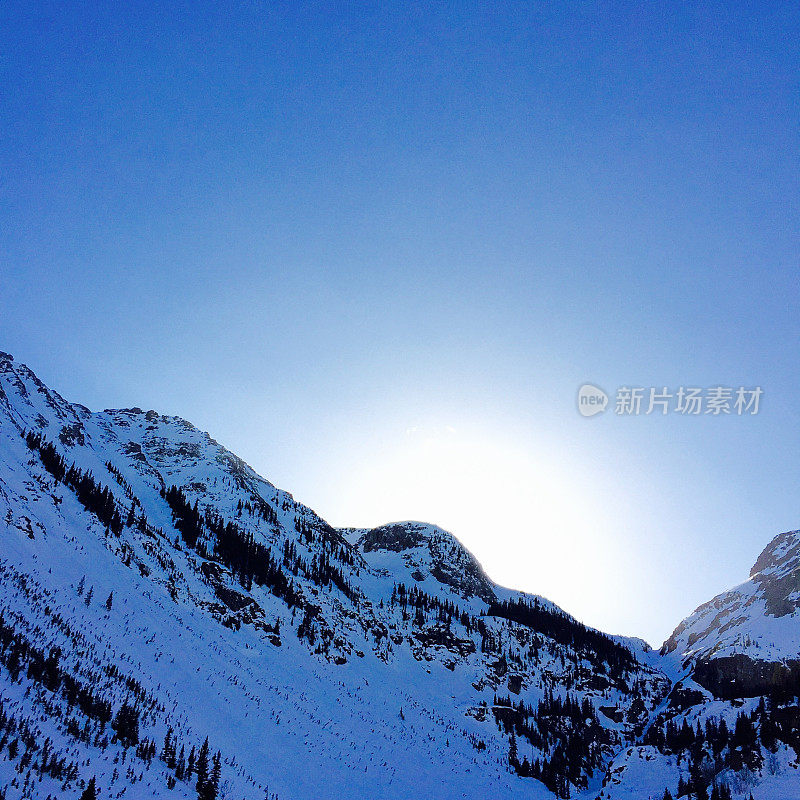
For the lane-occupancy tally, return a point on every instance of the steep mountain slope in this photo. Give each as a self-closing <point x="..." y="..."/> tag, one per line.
<point x="732" y="716"/>
<point x="173" y="625"/>
<point x="746" y="641"/>
<point x="389" y="666"/>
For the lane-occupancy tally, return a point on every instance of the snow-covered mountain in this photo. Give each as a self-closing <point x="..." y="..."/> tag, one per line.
<point x="738" y="641"/>
<point x="732" y="716"/>
<point x="173" y="625"/>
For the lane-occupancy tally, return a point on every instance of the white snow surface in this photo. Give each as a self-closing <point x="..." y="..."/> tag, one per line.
<point x="385" y="709"/>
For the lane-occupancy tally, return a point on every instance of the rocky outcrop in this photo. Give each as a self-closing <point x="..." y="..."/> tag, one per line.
<point x="442" y="556"/>
<point x="740" y="676"/>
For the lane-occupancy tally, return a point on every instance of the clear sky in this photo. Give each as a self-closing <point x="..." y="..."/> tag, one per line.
<point x="376" y="248"/>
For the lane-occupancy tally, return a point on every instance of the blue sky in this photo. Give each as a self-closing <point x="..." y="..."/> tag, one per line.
<point x="376" y="249"/>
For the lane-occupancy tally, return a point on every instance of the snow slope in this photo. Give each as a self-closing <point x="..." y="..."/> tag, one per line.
<point x="758" y="618"/>
<point x="148" y="571"/>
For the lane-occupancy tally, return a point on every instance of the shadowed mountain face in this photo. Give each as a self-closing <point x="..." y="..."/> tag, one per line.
<point x="746" y="641"/>
<point x="173" y="625"/>
<point x="777" y="574"/>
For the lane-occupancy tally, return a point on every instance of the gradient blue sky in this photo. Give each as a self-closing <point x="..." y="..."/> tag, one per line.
<point x="375" y="249"/>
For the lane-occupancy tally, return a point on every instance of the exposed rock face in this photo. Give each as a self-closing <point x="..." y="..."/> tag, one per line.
<point x="431" y="550"/>
<point x="777" y="574"/>
<point x="741" y="676"/>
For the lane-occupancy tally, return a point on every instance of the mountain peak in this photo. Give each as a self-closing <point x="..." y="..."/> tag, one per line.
<point x="781" y="553"/>
<point x="427" y="549"/>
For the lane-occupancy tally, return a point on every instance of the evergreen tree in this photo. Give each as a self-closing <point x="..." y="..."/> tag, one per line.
<point x="110" y="601"/>
<point x="698" y="785"/>
<point x="168" y="750"/>
<point x="513" y="758"/>
<point x="210" y="788"/>
<point x="201" y="767"/>
<point x="90" y="792"/>
<point x="180" y="766"/>
<point x="126" y="725"/>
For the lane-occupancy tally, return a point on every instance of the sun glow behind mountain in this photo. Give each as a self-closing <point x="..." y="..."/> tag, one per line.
<point x="534" y="523"/>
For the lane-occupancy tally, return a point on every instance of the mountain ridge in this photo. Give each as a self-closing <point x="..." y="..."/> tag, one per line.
<point x="363" y="653"/>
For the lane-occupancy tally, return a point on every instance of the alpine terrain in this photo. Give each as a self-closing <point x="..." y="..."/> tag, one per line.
<point x="172" y="625"/>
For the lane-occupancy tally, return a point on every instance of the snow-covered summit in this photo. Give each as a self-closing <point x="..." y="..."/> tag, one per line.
<point x="758" y="618"/>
